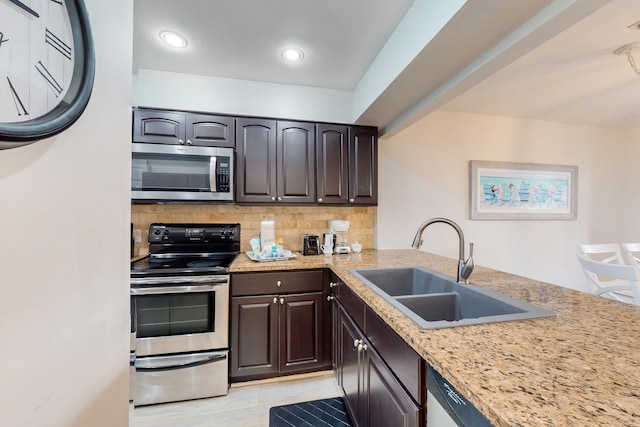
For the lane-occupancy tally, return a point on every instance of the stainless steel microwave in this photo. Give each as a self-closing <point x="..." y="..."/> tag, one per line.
<point x="181" y="173"/>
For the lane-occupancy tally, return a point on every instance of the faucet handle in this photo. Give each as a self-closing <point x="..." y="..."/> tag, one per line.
<point x="467" y="268"/>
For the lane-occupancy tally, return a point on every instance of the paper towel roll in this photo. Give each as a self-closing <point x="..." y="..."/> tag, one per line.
<point x="267" y="234"/>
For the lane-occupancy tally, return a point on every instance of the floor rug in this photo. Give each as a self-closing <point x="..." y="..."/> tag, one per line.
<point x="317" y="413"/>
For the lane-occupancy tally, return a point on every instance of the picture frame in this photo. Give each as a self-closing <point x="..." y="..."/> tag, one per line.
<point x="522" y="191"/>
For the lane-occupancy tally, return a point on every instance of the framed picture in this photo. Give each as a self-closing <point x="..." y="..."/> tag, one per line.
<point x="520" y="191"/>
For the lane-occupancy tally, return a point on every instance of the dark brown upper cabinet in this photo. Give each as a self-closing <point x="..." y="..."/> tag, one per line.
<point x="183" y="128"/>
<point x="347" y="162"/>
<point x="276" y="161"/>
<point x="363" y="165"/>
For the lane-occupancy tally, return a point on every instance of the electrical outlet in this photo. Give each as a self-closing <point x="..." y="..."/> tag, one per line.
<point x="137" y="235"/>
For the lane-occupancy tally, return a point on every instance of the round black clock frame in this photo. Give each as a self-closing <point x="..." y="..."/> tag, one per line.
<point x="77" y="96"/>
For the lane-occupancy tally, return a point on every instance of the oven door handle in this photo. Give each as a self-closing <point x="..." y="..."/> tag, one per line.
<point x="183" y="289"/>
<point x="150" y="367"/>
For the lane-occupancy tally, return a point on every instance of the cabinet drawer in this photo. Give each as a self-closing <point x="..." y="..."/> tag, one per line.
<point x="399" y="356"/>
<point x="278" y="282"/>
<point x="352" y="304"/>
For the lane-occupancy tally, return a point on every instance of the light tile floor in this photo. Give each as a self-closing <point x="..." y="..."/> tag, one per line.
<point x="246" y="405"/>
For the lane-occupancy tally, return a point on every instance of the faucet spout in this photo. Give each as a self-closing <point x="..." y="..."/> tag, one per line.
<point x="464" y="267"/>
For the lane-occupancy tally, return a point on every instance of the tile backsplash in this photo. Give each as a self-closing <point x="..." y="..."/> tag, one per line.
<point x="292" y="222"/>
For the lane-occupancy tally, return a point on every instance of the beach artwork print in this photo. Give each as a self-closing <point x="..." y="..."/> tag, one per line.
<point x="522" y="191"/>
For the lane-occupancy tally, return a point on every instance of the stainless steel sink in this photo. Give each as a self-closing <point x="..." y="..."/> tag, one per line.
<point x="433" y="300"/>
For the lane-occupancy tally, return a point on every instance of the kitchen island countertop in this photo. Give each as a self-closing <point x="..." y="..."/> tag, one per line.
<point x="580" y="368"/>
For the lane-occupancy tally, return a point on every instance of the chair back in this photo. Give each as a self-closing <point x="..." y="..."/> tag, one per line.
<point x="631" y="251"/>
<point x="604" y="252"/>
<point x="612" y="279"/>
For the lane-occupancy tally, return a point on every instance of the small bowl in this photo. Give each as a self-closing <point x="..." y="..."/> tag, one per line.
<point x="356" y="247"/>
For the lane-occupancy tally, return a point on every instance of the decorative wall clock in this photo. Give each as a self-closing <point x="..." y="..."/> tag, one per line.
<point x="47" y="67"/>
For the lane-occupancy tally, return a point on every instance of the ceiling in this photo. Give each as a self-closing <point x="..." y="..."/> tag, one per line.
<point x="243" y="39"/>
<point x="542" y="59"/>
<point x="574" y="77"/>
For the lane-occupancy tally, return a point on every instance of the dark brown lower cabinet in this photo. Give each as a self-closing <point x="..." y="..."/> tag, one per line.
<point x="373" y="394"/>
<point x="275" y="334"/>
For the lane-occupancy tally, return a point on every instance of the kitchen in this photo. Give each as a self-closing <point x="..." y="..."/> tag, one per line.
<point x="57" y="227"/>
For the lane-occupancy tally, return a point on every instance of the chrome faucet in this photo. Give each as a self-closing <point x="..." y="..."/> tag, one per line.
<point x="465" y="268"/>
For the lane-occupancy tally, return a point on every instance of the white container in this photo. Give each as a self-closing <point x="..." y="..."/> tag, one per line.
<point x="267" y="234"/>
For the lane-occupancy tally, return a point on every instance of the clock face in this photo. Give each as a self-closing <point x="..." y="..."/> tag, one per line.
<point x="46" y="68"/>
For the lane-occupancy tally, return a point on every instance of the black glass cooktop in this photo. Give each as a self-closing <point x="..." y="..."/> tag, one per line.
<point x="186" y="264"/>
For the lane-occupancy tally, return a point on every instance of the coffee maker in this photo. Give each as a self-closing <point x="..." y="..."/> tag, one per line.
<point x="310" y="245"/>
<point x="339" y="229"/>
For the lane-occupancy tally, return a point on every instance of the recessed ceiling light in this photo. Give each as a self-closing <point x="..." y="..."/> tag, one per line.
<point x="173" y="39"/>
<point x="292" y="55"/>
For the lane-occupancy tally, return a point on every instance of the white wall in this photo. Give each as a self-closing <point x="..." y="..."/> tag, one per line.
<point x="64" y="254"/>
<point x="240" y="97"/>
<point x="424" y="173"/>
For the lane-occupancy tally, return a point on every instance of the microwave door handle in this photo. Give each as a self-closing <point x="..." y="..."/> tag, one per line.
<point x="213" y="176"/>
<point x="171" y="290"/>
<point x="209" y="359"/>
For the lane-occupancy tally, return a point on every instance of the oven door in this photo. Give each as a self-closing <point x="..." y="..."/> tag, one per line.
<point x="180" y="314"/>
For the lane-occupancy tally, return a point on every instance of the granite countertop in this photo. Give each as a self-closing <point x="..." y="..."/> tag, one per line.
<point x="580" y="368"/>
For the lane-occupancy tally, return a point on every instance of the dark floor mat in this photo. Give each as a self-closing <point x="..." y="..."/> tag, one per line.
<point x="317" y="413"/>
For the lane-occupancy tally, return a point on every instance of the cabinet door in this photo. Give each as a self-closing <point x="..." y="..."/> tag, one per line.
<point x="158" y="127"/>
<point x="254" y="336"/>
<point x="336" y="341"/>
<point x="388" y="403"/>
<point x="301" y="340"/>
<point x="363" y="165"/>
<point x="296" y="144"/>
<point x="256" y="167"/>
<point x="350" y="369"/>
<point x="209" y="130"/>
<point x="332" y="164"/>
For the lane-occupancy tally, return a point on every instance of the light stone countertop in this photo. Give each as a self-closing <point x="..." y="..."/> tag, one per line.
<point x="580" y="368"/>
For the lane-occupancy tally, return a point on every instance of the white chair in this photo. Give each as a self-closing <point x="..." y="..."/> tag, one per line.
<point x="604" y="252"/>
<point x="632" y="252"/>
<point x="609" y="276"/>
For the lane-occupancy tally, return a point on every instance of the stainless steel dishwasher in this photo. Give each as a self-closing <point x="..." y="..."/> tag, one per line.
<point x="446" y="407"/>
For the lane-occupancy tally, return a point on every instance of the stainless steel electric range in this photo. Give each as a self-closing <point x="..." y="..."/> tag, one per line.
<point x="180" y="312"/>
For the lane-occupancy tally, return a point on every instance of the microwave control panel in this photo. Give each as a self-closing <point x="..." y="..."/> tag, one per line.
<point x="223" y="175"/>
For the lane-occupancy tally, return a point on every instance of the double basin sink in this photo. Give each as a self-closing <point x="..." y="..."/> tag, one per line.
<point x="434" y="301"/>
